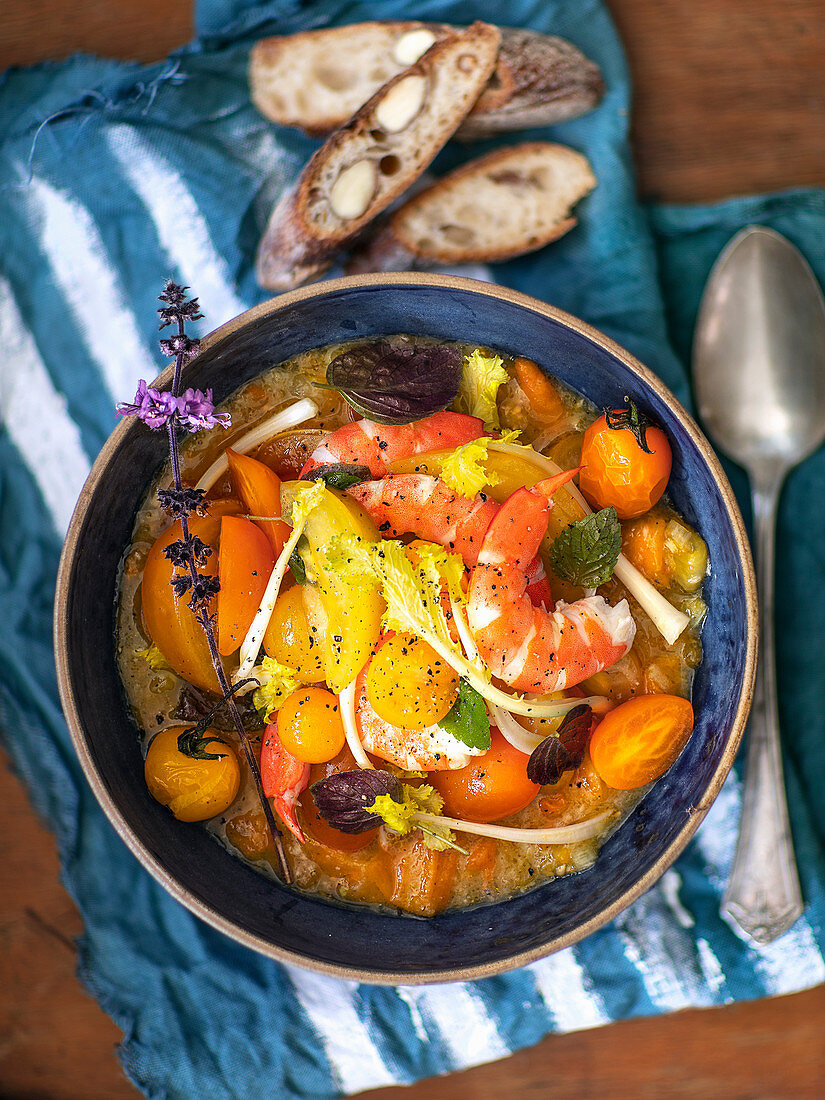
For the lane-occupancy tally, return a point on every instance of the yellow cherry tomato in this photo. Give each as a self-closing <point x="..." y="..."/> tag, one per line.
<point x="409" y="685"/>
<point x="197" y="787"/>
<point x="310" y="726"/>
<point x="290" y="638"/>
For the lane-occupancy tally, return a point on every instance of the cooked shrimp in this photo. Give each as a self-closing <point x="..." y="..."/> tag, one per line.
<point x="365" y="443"/>
<point x="422" y="505"/>
<point x="430" y="749"/>
<point x="284" y="779"/>
<point x="538" y="586"/>
<point x="527" y="647"/>
<point x="418" y="504"/>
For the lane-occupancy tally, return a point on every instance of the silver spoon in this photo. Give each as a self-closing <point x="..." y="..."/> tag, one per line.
<point x="759" y="376"/>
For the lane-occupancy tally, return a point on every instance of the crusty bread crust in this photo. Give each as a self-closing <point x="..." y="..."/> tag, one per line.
<point x="543" y="80"/>
<point x="502" y="205"/>
<point x="306" y="229"/>
<point x="316" y="80"/>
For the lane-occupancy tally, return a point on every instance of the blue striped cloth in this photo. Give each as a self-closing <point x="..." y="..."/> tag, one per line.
<point x="113" y="176"/>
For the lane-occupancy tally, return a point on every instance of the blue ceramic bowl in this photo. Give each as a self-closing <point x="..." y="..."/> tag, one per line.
<point x="361" y="943"/>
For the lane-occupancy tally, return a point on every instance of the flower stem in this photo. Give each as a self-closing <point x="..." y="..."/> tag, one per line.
<point x="205" y="621"/>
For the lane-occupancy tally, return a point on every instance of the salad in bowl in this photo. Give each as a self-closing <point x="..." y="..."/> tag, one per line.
<point x="452" y="680"/>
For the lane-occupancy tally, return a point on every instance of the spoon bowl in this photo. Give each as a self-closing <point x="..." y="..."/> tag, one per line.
<point x="759" y="352"/>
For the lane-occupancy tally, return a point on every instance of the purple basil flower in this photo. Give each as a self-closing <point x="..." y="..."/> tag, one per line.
<point x="153" y="407"/>
<point x="197" y="411"/>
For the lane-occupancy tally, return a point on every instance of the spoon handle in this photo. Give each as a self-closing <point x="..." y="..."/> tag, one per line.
<point x="763" y="895"/>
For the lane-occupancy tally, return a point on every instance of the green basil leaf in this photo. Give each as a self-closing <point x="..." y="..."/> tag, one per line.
<point x="468" y="719"/>
<point x="397" y="382"/>
<point x="339" y="475"/>
<point x="586" y="552"/>
<point x="296" y="565"/>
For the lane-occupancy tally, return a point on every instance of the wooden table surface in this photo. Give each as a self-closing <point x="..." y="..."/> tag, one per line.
<point x="730" y="98"/>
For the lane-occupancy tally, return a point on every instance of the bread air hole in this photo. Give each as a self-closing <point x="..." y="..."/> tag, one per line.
<point x="458" y="234"/>
<point x="333" y="78"/>
<point x="389" y="165"/>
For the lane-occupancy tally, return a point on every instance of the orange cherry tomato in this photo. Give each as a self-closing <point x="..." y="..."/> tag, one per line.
<point x="260" y="490"/>
<point x="616" y="468"/>
<point x="244" y="564"/>
<point x="319" y="829"/>
<point x="310" y="726"/>
<point x="171" y="625"/>
<point x="492" y="786"/>
<point x="639" y="740"/>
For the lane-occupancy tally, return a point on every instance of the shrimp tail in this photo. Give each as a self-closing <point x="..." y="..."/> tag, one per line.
<point x="284" y="779"/>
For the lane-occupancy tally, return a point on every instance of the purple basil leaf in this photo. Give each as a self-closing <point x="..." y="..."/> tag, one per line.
<point x="394" y="383"/>
<point x="342" y="799"/>
<point x="563" y="750"/>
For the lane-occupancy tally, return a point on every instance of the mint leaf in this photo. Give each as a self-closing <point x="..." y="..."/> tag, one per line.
<point x="586" y="552"/>
<point x="468" y="719"/>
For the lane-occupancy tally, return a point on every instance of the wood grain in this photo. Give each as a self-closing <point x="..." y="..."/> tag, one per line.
<point x="730" y="98"/>
<point x="729" y="95"/>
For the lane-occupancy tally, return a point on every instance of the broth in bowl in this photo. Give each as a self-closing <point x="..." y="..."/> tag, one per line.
<point x="454" y="623"/>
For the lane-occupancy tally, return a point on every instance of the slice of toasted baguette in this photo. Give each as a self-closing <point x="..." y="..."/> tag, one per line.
<point x="317" y="79"/>
<point x="509" y="202"/>
<point x="541" y="80"/>
<point x="372" y="159"/>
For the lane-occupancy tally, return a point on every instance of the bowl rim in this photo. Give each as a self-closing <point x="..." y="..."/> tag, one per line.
<point x="469" y="973"/>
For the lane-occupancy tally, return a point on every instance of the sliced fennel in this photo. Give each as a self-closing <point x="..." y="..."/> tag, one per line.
<point x="668" y="620"/>
<point x="281" y="421"/>
<point x="558" y="834"/>
<point x="420" y="808"/>
<point x="523" y="739"/>
<point x="305" y="499"/>
<point x="347" y="703"/>
<point x="512" y="731"/>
